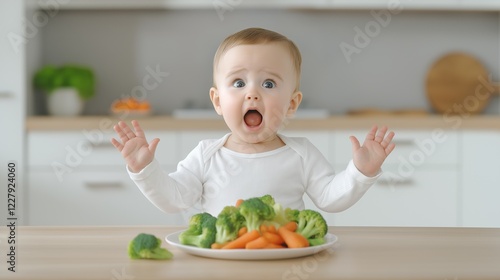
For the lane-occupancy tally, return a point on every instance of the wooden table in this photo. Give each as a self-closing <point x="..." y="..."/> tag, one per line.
<point x="360" y="253"/>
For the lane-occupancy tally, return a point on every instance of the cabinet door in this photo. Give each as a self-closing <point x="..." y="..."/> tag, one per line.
<point x="414" y="149"/>
<point x="104" y="197"/>
<point x="428" y="198"/>
<point x="12" y="100"/>
<point x="481" y="179"/>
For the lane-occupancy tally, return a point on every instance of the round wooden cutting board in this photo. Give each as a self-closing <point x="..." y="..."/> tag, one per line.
<point x="458" y="83"/>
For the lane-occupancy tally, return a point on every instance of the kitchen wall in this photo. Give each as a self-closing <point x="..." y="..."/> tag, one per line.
<point x="388" y="72"/>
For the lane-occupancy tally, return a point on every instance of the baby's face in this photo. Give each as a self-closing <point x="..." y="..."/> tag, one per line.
<point x="255" y="90"/>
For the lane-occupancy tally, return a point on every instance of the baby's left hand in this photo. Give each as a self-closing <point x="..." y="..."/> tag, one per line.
<point x="377" y="146"/>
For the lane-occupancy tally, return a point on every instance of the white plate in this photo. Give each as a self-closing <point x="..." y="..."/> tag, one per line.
<point x="244" y="254"/>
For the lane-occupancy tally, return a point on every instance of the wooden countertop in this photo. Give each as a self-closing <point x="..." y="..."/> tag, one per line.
<point x="360" y="253"/>
<point x="335" y="122"/>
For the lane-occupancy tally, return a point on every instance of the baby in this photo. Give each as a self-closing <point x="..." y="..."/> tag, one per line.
<point x="256" y="74"/>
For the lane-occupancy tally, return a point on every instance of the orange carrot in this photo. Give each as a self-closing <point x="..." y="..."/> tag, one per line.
<point x="274" y="246"/>
<point x="292" y="239"/>
<point x="238" y="202"/>
<point x="241" y="242"/>
<point x="242" y="231"/>
<point x="272" y="229"/>
<point x="262" y="228"/>
<point x="273" y="238"/>
<point x="217" y="245"/>
<point x="292" y="226"/>
<point x="258" y="243"/>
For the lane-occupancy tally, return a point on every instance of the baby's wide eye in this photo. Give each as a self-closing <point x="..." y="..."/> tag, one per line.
<point x="239" y="83"/>
<point x="269" y="84"/>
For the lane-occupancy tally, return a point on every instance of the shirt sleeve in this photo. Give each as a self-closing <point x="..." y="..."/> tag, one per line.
<point x="332" y="192"/>
<point x="176" y="191"/>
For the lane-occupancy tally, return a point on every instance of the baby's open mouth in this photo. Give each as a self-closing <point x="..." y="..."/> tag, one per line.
<point x="253" y="118"/>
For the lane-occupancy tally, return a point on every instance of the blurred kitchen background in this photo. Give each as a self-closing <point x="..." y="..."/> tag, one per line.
<point x="388" y="73"/>
<point x="358" y="56"/>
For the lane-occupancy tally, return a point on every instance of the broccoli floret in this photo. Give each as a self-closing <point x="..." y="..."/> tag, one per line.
<point x="284" y="215"/>
<point x="268" y="199"/>
<point x="255" y="212"/>
<point x="311" y="224"/>
<point x="201" y="231"/>
<point x="229" y="221"/>
<point x="147" y="246"/>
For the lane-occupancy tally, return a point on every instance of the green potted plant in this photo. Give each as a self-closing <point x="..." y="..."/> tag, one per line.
<point x="67" y="87"/>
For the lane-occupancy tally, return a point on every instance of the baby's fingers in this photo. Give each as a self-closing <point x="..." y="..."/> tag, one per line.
<point x="355" y="143"/>
<point x="390" y="148"/>
<point x="117" y="144"/>
<point x="153" y="145"/>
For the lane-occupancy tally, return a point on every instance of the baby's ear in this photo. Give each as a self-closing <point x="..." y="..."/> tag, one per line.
<point x="294" y="103"/>
<point x="214" y="97"/>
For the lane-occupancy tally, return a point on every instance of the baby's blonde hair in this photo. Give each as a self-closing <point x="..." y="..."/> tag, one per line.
<point x="255" y="36"/>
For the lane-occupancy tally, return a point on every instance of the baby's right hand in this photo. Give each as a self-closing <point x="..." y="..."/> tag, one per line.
<point x="134" y="147"/>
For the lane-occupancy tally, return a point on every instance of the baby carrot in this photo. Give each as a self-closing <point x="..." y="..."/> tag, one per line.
<point x="217" y="245"/>
<point x="273" y="238"/>
<point x="262" y="228"/>
<point x="242" y="231"/>
<point x="271" y="229"/>
<point x="258" y="243"/>
<point x="292" y="226"/>
<point x="238" y="202"/>
<point x="292" y="239"/>
<point x="241" y="242"/>
<point x="274" y="246"/>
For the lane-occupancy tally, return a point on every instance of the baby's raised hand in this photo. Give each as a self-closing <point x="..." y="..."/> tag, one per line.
<point x="134" y="147"/>
<point x="369" y="157"/>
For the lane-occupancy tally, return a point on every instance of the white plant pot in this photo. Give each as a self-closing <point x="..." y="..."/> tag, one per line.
<point x="65" y="102"/>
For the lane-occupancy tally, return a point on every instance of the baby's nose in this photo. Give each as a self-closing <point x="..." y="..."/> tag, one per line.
<point x="253" y="95"/>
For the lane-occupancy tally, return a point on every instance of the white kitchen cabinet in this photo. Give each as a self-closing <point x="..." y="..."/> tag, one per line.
<point x="428" y="198"/>
<point x="90" y="148"/>
<point x="419" y="186"/>
<point x="12" y="103"/>
<point x="481" y="179"/>
<point x="79" y="178"/>
<point x="414" y="149"/>
<point x="103" y="197"/>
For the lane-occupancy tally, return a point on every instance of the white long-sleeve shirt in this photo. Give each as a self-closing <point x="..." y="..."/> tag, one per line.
<point x="216" y="177"/>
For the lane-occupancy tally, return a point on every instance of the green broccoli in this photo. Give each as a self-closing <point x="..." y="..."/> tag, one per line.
<point x="147" y="246"/>
<point x="229" y="221"/>
<point x="312" y="226"/>
<point x="201" y="231"/>
<point x="268" y="199"/>
<point x="284" y="215"/>
<point x="255" y="212"/>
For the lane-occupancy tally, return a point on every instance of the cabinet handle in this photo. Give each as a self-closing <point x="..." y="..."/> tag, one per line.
<point x="403" y="142"/>
<point x="102" y="144"/>
<point x="395" y="183"/>
<point x="5" y="95"/>
<point x="104" y="185"/>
